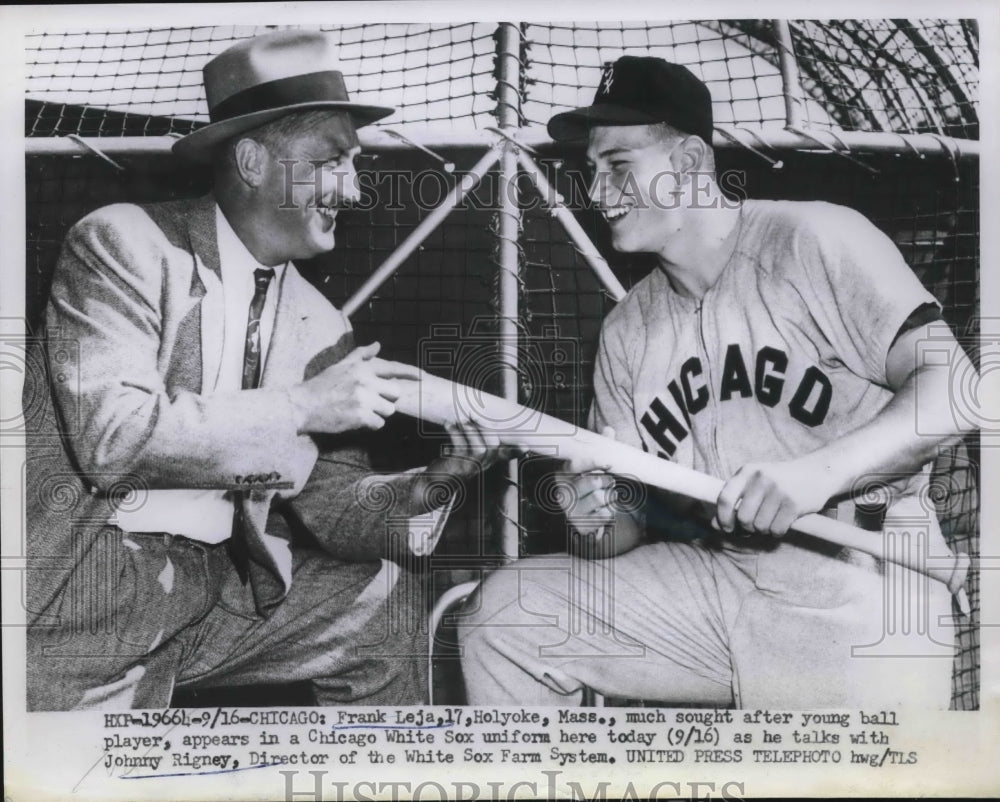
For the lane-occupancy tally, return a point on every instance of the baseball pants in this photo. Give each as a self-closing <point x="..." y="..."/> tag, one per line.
<point x="698" y="622"/>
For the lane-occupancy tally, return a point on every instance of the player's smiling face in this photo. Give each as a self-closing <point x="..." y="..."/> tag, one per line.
<point x="308" y="178"/>
<point x="634" y="185"/>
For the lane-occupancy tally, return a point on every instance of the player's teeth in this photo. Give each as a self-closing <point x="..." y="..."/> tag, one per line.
<point x="616" y="212"/>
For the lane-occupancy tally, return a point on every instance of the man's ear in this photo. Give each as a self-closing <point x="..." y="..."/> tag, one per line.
<point x="251" y="159"/>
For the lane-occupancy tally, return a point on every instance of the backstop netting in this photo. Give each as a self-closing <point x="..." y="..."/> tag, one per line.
<point x="902" y="83"/>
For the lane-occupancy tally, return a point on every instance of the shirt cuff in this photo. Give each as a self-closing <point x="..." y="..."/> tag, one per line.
<point x="423" y="531"/>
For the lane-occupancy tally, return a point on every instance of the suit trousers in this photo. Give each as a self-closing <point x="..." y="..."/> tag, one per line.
<point x="693" y="622"/>
<point x="144" y="613"/>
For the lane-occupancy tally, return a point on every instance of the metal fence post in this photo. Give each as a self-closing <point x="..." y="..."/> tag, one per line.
<point x="790" y="86"/>
<point x="508" y="232"/>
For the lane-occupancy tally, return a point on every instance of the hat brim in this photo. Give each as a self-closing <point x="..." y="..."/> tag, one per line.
<point x="199" y="145"/>
<point x="576" y="124"/>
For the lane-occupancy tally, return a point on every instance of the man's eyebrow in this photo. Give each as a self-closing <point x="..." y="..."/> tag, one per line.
<point x="612" y="152"/>
<point x="342" y="153"/>
<point x="609" y="152"/>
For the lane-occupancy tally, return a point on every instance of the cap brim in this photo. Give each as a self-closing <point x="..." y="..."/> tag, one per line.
<point x="199" y="145"/>
<point x="576" y="124"/>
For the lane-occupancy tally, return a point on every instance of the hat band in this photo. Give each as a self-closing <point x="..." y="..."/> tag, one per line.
<point x="315" y="87"/>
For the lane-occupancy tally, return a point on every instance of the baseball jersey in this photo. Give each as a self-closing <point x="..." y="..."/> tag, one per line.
<point x="785" y="352"/>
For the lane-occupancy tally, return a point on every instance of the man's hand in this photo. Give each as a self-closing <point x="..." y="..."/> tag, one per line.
<point x="589" y="499"/>
<point x="586" y="494"/>
<point x="768" y="497"/>
<point x="356" y="393"/>
<point x="472" y="450"/>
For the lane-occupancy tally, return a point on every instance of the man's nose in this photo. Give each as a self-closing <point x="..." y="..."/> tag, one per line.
<point x="347" y="187"/>
<point x="598" y="186"/>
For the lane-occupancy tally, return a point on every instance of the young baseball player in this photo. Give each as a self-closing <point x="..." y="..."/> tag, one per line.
<point x="775" y="347"/>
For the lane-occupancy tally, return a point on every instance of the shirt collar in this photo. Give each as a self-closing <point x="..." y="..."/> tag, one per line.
<point x="234" y="258"/>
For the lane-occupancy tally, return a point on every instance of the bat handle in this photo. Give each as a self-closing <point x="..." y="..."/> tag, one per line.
<point x="834" y="531"/>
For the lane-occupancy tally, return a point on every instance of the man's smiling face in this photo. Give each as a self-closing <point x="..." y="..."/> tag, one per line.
<point x="307" y="178"/>
<point x="635" y="185"/>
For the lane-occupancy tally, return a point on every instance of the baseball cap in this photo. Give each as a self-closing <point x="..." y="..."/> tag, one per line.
<point x="640" y="90"/>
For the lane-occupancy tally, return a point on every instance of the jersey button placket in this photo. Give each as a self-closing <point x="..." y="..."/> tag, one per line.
<point x="708" y="343"/>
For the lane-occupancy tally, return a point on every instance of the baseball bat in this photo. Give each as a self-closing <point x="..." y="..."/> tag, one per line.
<point x="443" y="402"/>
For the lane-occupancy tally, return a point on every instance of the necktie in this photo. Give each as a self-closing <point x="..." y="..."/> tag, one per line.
<point x="251" y="349"/>
<point x="238" y="550"/>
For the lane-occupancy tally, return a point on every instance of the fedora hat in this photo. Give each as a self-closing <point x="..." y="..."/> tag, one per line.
<point x="264" y="78"/>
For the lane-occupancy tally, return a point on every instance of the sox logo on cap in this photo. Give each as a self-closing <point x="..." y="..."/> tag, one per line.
<point x="608" y="78"/>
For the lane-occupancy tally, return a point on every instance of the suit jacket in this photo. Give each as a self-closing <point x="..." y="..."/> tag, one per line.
<point x="117" y="400"/>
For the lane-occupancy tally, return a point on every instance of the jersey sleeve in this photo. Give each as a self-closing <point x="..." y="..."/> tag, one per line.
<point x="612" y="405"/>
<point x="857" y="287"/>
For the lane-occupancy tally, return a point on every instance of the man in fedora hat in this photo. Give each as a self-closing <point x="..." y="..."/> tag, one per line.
<point x="774" y="346"/>
<point x="202" y="409"/>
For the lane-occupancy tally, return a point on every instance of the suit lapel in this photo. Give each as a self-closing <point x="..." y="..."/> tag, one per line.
<point x="292" y="340"/>
<point x="193" y="294"/>
<point x="207" y="283"/>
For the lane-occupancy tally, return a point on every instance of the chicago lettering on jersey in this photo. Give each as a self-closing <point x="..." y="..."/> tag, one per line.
<point x="690" y="392"/>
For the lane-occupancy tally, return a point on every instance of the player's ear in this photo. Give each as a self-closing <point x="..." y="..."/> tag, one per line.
<point x="695" y="155"/>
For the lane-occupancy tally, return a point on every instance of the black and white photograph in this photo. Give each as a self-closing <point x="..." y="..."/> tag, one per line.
<point x="405" y="403"/>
